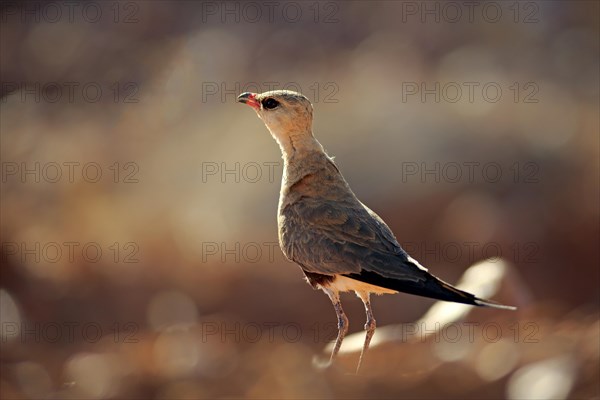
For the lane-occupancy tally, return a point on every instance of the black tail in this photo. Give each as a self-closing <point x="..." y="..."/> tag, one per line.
<point x="431" y="287"/>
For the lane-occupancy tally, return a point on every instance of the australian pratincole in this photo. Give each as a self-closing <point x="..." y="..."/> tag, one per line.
<point x="340" y="244"/>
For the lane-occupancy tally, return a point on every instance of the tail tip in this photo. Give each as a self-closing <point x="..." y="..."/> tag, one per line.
<point x="489" y="303"/>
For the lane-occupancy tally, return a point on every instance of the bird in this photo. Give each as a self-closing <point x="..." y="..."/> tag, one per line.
<point x="340" y="244"/>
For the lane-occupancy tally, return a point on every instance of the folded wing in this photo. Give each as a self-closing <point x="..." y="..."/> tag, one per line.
<point x="343" y="237"/>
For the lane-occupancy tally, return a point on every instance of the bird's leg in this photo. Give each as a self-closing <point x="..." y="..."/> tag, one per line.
<point x="369" y="326"/>
<point x="342" y="321"/>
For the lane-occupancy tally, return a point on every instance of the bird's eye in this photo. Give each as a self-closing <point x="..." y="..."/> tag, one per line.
<point x="270" y="104"/>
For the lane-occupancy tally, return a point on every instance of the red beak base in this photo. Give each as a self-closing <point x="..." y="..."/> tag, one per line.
<point x="249" y="99"/>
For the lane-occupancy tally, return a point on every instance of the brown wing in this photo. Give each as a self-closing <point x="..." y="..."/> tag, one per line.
<point x="342" y="237"/>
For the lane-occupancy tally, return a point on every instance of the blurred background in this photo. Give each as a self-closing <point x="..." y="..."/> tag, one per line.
<point x="139" y="253"/>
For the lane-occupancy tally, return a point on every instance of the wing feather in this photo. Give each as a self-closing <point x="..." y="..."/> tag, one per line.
<point x="342" y="236"/>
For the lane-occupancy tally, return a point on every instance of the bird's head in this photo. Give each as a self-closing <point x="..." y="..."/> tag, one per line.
<point x="287" y="114"/>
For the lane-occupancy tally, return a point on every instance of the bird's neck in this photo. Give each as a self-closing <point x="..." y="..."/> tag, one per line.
<point x="302" y="155"/>
<point x="297" y="145"/>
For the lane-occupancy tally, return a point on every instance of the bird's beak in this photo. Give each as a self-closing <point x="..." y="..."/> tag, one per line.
<point x="250" y="99"/>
